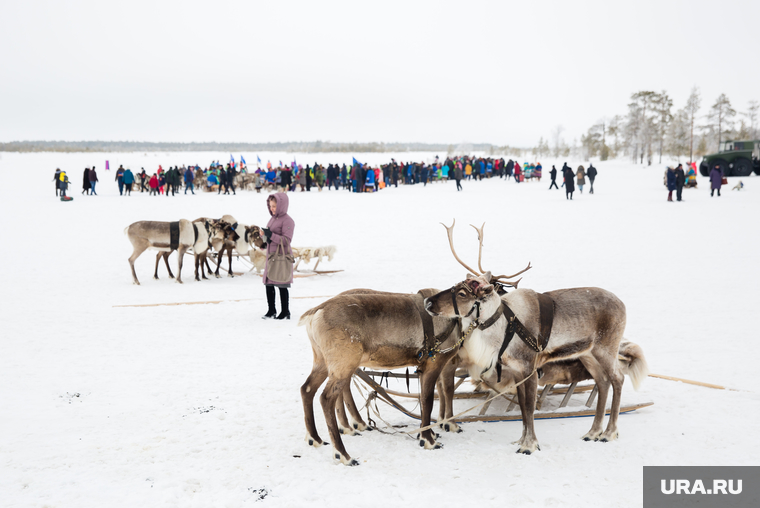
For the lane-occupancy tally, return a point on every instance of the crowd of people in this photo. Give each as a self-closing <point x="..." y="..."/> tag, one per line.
<point x="357" y="177"/>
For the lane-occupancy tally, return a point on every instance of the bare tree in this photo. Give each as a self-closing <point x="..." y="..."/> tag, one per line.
<point x="557" y="139"/>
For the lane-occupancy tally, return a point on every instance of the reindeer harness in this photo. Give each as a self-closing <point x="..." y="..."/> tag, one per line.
<point x="537" y="344"/>
<point x="546" y="318"/>
<point x="432" y="342"/>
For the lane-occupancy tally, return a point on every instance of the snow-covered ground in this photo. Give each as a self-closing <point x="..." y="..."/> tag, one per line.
<point x="199" y="405"/>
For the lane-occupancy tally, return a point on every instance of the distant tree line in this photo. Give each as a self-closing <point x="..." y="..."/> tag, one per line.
<point x="651" y="127"/>
<point x="296" y="147"/>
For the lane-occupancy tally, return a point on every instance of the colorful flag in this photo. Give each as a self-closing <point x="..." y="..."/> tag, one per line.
<point x="107" y="167"/>
<point x="242" y="160"/>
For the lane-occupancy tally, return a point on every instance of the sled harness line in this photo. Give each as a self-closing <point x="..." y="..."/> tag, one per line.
<point x="546" y="318"/>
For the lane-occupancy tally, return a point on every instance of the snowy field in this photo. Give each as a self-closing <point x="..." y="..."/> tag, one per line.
<point x="199" y="405"/>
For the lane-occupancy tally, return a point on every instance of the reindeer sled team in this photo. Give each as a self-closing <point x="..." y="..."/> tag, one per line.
<point x="568" y="335"/>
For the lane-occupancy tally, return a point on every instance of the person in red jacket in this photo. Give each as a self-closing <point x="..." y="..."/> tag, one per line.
<point x="518" y="172"/>
<point x="153" y="185"/>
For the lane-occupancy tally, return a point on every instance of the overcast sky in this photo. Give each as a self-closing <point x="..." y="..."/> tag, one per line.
<point x="500" y="72"/>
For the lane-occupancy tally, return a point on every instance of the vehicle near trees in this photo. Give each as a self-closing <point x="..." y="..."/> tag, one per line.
<point x="735" y="158"/>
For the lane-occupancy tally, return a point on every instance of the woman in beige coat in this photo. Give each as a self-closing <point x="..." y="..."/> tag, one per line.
<point x="580" y="175"/>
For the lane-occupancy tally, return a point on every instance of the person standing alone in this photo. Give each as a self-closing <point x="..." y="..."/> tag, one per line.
<point x="278" y="233"/>
<point x="716" y="180"/>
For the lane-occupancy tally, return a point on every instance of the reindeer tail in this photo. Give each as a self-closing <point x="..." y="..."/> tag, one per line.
<point x="633" y="363"/>
<point x="307" y="317"/>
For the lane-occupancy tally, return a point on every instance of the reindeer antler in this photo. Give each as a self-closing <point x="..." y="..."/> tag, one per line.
<point x="450" y="233"/>
<point x="480" y="247"/>
<point x="515" y="275"/>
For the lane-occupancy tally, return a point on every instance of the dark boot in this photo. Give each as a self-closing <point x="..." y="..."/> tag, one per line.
<point x="285" y="304"/>
<point x="272" y="312"/>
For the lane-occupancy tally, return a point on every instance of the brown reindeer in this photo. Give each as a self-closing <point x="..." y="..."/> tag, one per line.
<point x="194" y="235"/>
<point x="588" y="325"/>
<point x="377" y="330"/>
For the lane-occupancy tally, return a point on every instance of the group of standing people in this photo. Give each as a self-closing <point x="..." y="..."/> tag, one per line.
<point x="676" y="179"/>
<point x="570" y="178"/>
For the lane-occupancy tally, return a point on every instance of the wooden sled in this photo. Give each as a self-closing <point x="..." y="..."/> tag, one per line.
<point x="556" y="410"/>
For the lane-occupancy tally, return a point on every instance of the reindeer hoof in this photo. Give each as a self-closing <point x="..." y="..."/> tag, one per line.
<point x="361" y="426"/>
<point x="430" y="446"/>
<point x="155" y="277"/>
<point x="353" y="462"/>
<point x="452" y="427"/>
<point x="524" y="452"/>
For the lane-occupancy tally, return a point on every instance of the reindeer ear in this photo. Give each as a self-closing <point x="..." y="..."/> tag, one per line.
<point x="469" y="276"/>
<point x="487" y="276"/>
<point x="485" y="290"/>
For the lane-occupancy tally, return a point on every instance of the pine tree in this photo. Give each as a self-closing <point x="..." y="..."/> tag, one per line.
<point x="662" y="105"/>
<point x="693" y="104"/>
<point x="751" y="115"/>
<point x="720" y="116"/>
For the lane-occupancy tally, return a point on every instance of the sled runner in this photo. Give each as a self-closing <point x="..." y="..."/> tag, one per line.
<point x="553" y="401"/>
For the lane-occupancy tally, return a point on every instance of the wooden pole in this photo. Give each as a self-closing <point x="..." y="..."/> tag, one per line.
<point x="690" y="382"/>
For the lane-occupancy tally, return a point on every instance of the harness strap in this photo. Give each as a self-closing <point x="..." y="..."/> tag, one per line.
<point x="195" y="230"/>
<point x="174" y="235"/>
<point x="431" y="341"/>
<point x="546" y="318"/>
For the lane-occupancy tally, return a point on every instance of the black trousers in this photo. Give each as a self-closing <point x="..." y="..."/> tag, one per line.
<point x="554" y="184"/>
<point x="679" y="190"/>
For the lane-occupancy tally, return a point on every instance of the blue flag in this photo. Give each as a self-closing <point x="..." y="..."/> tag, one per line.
<point x="356" y="162"/>
<point x="232" y="159"/>
<point x="242" y="160"/>
<point x="258" y="159"/>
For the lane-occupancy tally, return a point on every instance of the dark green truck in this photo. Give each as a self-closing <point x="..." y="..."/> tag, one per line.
<point x="735" y="158"/>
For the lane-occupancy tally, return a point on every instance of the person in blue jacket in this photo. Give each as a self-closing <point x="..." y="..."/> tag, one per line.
<point x="670" y="177"/>
<point x="129" y="179"/>
<point x="189" y="177"/>
<point x="369" y="183"/>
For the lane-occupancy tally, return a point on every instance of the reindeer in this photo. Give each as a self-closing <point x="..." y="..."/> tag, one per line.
<point x="158" y="235"/>
<point x="587" y="326"/>
<point x="377" y="330"/>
